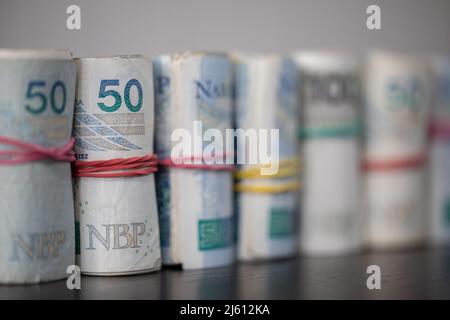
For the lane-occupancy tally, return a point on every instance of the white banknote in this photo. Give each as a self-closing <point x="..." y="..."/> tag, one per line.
<point x="267" y="98"/>
<point x="116" y="218"/>
<point x="36" y="212"/>
<point x="330" y="145"/>
<point x="440" y="152"/>
<point x="195" y="206"/>
<point x="398" y="102"/>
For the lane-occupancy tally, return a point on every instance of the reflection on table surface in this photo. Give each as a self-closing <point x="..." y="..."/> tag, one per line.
<point x="419" y="273"/>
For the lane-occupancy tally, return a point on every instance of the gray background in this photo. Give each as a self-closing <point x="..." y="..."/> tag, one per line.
<point x="150" y="27"/>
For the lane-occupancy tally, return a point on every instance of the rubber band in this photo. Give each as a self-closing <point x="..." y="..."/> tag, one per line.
<point x="440" y="130"/>
<point x="287" y="168"/>
<point x="395" y="164"/>
<point x="279" y="188"/>
<point x="138" y="166"/>
<point x="343" y="131"/>
<point x="29" y="152"/>
<point x="114" y="168"/>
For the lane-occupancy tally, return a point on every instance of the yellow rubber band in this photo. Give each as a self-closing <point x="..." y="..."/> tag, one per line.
<point x="286" y="168"/>
<point x="280" y="188"/>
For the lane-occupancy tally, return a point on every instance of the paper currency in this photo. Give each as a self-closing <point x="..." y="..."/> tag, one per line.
<point x="267" y="98"/>
<point x="330" y="131"/>
<point x="440" y="152"/>
<point x="36" y="212"/>
<point x="116" y="218"/>
<point x="195" y="206"/>
<point x="398" y="92"/>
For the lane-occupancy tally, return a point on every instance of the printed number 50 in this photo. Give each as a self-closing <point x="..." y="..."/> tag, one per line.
<point x="35" y="91"/>
<point x="103" y="93"/>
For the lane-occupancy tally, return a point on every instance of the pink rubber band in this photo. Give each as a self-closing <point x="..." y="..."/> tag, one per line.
<point x="114" y="168"/>
<point x="28" y="152"/>
<point x="440" y="130"/>
<point x="138" y="166"/>
<point x="411" y="162"/>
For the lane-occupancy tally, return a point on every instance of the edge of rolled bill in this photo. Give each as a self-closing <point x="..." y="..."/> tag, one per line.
<point x="439" y="227"/>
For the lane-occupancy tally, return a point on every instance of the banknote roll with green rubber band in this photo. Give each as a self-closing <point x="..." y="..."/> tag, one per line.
<point x="36" y="204"/>
<point x="330" y="144"/>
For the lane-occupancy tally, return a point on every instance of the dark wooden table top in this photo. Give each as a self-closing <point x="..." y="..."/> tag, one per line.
<point x="414" y="274"/>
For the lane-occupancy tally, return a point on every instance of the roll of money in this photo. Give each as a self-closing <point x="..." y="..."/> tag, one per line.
<point x="440" y="152"/>
<point x="267" y="99"/>
<point x="330" y="138"/>
<point x="36" y="213"/>
<point x="193" y="95"/>
<point x="116" y="218"/>
<point x="398" y="93"/>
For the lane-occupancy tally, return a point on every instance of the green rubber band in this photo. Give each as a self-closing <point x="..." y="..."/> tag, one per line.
<point x="331" y="132"/>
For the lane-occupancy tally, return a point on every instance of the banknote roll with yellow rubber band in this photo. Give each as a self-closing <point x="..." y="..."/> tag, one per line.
<point x="267" y="204"/>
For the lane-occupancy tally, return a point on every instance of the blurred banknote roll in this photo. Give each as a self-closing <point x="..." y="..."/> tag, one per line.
<point x="193" y="98"/>
<point x="116" y="210"/>
<point x="36" y="212"/>
<point x="440" y="152"/>
<point x="267" y="204"/>
<point x="330" y="138"/>
<point x="398" y="101"/>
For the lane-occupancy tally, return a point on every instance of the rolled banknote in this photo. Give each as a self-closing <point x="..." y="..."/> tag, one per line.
<point x="440" y="152"/>
<point x="330" y="138"/>
<point x="116" y="217"/>
<point x="36" y="212"/>
<point x="398" y="93"/>
<point x="267" y="204"/>
<point x="193" y="97"/>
